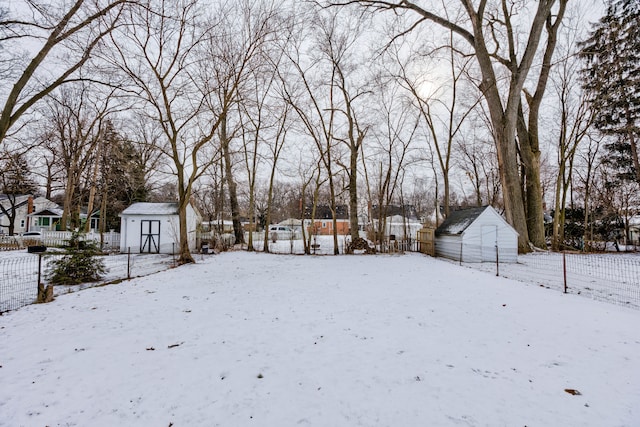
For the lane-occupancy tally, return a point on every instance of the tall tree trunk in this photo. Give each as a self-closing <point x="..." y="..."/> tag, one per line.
<point x="92" y="196"/>
<point x="183" y="247"/>
<point x="530" y="156"/>
<point x="225" y="143"/>
<point x="353" y="194"/>
<point x="332" y="202"/>
<point x="68" y="205"/>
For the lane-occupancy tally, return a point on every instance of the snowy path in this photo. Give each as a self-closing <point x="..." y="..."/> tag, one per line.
<point x="246" y="339"/>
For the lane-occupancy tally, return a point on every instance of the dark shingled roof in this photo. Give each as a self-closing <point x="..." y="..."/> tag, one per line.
<point x="324" y="212"/>
<point x="458" y="221"/>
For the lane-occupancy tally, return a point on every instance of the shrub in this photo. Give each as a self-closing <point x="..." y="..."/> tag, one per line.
<point x="80" y="263"/>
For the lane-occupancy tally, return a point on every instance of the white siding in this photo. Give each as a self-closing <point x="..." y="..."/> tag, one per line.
<point x="448" y="246"/>
<point x="131" y="230"/>
<point x="471" y="239"/>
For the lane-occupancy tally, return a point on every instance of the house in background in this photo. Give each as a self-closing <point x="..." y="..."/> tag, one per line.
<point x="476" y="235"/>
<point x="155" y="228"/>
<point x="48" y="219"/>
<point x="24" y="206"/>
<point x="400" y="222"/>
<point x="323" y="222"/>
<point x="294" y="224"/>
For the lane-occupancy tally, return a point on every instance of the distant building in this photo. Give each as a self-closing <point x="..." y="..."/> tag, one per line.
<point x="24" y="206"/>
<point x="322" y="224"/>
<point x="476" y="235"/>
<point x="155" y="228"/>
<point x="400" y="222"/>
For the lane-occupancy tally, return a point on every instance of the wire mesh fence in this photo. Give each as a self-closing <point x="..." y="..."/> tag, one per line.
<point x="21" y="273"/>
<point x="613" y="278"/>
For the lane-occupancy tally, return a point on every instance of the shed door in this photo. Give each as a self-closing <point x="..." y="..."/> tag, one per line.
<point x="489" y="242"/>
<point x="150" y="236"/>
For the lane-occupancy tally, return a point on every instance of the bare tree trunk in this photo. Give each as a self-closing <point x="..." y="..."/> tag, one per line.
<point x="530" y="156"/>
<point x="225" y="143"/>
<point x="183" y="246"/>
<point x="92" y="195"/>
<point x="503" y="107"/>
<point x="353" y="193"/>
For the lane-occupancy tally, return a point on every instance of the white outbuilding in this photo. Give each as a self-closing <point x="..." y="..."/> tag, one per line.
<point x="155" y="228"/>
<point x="476" y="235"/>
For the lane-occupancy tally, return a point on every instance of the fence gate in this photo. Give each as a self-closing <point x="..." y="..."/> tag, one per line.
<point x="150" y="236"/>
<point x="426" y="241"/>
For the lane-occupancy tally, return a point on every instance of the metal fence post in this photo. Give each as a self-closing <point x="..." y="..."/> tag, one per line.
<point x="39" y="268"/>
<point x="564" y="270"/>
<point x="461" y="252"/>
<point x="129" y="263"/>
<point x="497" y="261"/>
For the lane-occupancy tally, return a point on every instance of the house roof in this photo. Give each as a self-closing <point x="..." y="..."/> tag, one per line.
<point x="295" y="222"/>
<point x="48" y="212"/>
<point x="399" y="219"/>
<point x="146" y="208"/>
<point x="324" y="212"/>
<point x="408" y="211"/>
<point x="459" y="220"/>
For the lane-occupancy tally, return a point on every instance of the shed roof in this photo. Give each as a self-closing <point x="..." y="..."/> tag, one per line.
<point x="146" y="208"/>
<point x="459" y="220"/>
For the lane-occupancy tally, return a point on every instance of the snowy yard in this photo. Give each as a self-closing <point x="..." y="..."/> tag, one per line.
<point x="245" y="339"/>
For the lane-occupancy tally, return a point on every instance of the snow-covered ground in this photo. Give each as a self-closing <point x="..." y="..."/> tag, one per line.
<point x="248" y="339"/>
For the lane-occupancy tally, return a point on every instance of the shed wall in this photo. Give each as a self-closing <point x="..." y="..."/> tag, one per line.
<point x="448" y="246"/>
<point x="478" y="247"/>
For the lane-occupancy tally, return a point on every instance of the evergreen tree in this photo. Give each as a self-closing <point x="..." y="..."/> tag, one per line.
<point x="15" y="181"/>
<point x="122" y="178"/>
<point x="612" y="79"/>
<point x="80" y="264"/>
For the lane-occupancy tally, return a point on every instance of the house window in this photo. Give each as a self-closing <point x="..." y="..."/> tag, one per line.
<point x="22" y="223"/>
<point x="44" y="221"/>
<point x="324" y="224"/>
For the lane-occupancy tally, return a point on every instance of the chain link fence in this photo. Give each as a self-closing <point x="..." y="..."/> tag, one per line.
<point x="21" y="273"/>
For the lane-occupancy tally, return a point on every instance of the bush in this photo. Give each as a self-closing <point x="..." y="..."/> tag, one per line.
<point x="80" y="264"/>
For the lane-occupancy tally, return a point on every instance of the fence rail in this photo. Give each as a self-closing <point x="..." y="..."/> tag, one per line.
<point x="20" y="274"/>
<point x="108" y="242"/>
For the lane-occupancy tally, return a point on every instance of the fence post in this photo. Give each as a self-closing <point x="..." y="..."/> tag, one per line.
<point x="497" y="261"/>
<point x="129" y="263"/>
<point x="173" y="253"/>
<point x="39" y="268"/>
<point x="564" y="270"/>
<point x="461" y="252"/>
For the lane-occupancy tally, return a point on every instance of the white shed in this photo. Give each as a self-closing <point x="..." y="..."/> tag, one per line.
<point x="477" y="235"/>
<point x="155" y="228"/>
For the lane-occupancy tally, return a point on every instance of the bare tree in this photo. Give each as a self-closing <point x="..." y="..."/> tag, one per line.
<point x="76" y="115"/>
<point x="576" y="117"/>
<point x="312" y="99"/>
<point x="528" y="130"/>
<point x="396" y="135"/>
<point x="443" y="111"/>
<point x="15" y="181"/>
<point x="64" y="36"/>
<point x="484" y="32"/>
<point x="252" y="29"/>
<point x="187" y="69"/>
